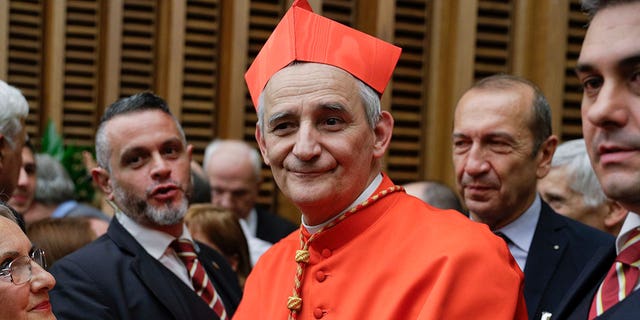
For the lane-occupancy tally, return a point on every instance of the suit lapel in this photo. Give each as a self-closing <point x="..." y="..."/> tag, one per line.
<point x="577" y="300"/>
<point x="160" y="281"/>
<point x="161" y="285"/>
<point x="547" y="248"/>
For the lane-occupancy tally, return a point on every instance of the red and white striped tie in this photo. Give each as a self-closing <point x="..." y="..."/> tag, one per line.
<point x="621" y="278"/>
<point x="201" y="284"/>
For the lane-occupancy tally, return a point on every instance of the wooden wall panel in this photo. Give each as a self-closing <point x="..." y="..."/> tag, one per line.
<point x="264" y="15"/>
<point x="200" y="76"/>
<point x="139" y="44"/>
<point x="493" y="41"/>
<point x="343" y="11"/>
<point x="4" y="38"/>
<point x="571" y="122"/>
<point x="407" y="152"/>
<point x="25" y="56"/>
<point x="81" y="65"/>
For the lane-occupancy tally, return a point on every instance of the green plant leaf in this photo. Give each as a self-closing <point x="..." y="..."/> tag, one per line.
<point x="52" y="142"/>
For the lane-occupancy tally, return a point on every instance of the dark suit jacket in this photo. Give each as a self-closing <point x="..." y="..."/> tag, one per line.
<point x="271" y="227"/>
<point x="577" y="301"/>
<point x="115" y="278"/>
<point x="559" y="251"/>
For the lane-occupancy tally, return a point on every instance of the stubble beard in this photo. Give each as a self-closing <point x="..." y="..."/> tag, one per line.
<point x="170" y="213"/>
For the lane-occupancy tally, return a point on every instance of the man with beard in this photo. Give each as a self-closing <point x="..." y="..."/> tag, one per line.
<point x="144" y="266"/>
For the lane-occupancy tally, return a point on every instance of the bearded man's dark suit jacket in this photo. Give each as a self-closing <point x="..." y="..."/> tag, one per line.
<point x="115" y="278"/>
<point x="272" y="228"/>
<point x="559" y="250"/>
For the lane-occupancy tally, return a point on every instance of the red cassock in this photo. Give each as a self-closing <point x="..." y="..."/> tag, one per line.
<point x="396" y="259"/>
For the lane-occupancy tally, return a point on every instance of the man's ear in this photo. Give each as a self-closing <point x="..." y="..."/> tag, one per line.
<point x="545" y="155"/>
<point x="616" y="215"/>
<point x="383" y="131"/>
<point x="261" y="145"/>
<point x="102" y="178"/>
<point x="190" y="152"/>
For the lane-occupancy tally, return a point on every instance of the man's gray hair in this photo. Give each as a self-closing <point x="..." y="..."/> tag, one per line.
<point x="572" y="155"/>
<point x="253" y="154"/>
<point x="13" y="109"/>
<point x="369" y="97"/>
<point x="53" y="183"/>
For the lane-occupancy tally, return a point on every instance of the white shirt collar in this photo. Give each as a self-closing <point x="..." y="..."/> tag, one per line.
<point x="373" y="186"/>
<point x="521" y="232"/>
<point x="153" y="241"/>
<point x="630" y="223"/>
<point x="250" y="224"/>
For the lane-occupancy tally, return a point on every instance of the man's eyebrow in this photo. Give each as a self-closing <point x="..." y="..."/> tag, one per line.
<point x="457" y="135"/>
<point x="278" y="115"/>
<point x="629" y="61"/>
<point x="583" y="67"/>
<point x="334" y="106"/>
<point x="622" y="64"/>
<point x="131" y="150"/>
<point x="9" y="254"/>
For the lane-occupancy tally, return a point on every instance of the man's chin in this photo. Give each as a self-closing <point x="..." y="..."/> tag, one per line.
<point x="169" y="214"/>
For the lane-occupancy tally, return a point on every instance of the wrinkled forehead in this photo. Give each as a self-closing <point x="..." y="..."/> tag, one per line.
<point x="309" y="71"/>
<point x="513" y="101"/>
<point x="309" y="80"/>
<point x="140" y="130"/>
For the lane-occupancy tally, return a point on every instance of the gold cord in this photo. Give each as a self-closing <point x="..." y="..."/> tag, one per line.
<point x="294" y="302"/>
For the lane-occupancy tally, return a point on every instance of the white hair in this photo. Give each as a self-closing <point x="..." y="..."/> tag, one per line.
<point x="572" y="155"/>
<point x="253" y="154"/>
<point x="53" y="183"/>
<point x="13" y="109"/>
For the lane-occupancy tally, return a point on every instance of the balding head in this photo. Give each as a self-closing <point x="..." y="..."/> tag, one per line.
<point x="435" y="194"/>
<point x="233" y="168"/>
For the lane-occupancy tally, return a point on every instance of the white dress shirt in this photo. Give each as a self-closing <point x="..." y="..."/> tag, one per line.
<point x="630" y="223"/>
<point x="521" y="231"/>
<point x="156" y="244"/>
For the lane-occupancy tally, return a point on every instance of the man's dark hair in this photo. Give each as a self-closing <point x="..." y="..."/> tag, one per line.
<point x="144" y="101"/>
<point x="591" y="7"/>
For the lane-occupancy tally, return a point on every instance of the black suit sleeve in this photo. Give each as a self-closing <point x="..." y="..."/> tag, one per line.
<point x="76" y="294"/>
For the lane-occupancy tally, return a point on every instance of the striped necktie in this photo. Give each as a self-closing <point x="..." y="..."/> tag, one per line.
<point x="201" y="284"/>
<point x="621" y="278"/>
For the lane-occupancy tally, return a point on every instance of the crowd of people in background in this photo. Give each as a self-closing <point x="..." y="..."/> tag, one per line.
<point x="534" y="229"/>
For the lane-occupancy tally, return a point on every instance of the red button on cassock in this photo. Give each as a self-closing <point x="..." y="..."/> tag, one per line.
<point x="318" y="313"/>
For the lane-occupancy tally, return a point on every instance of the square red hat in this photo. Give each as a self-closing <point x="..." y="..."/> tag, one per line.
<point x="305" y="36"/>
